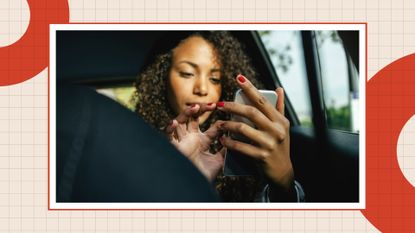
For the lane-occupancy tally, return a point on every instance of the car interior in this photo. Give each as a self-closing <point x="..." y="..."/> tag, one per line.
<point x="325" y="160"/>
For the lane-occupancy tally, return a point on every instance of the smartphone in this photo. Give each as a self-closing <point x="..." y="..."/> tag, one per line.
<point x="236" y="163"/>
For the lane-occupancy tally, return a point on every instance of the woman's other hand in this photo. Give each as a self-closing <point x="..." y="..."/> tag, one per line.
<point x="185" y="134"/>
<point x="271" y="138"/>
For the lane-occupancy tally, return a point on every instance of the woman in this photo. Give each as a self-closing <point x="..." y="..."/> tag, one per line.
<point x="186" y="92"/>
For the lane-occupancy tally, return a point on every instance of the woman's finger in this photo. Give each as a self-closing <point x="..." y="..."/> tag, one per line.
<point x="170" y="130"/>
<point x="171" y="127"/>
<point x="214" y="130"/>
<point x="181" y="131"/>
<point x="195" y="111"/>
<point x="193" y="124"/>
<point x="243" y="148"/>
<point x="184" y="116"/>
<point x="190" y="115"/>
<point x="250" y="133"/>
<point x="249" y="112"/>
<point x="278" y="128"/>
<point x="206" y="108"/>
<point x="257" y="99"/>
<point x="280" y="101"/>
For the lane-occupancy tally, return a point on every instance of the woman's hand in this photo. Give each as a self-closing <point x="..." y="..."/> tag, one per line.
<point x="271" y="139"/>
<point x="185" y="134"/>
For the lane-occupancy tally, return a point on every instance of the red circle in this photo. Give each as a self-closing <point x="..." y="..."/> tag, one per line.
<point x="28" y="56"/>
<point x="390" y="103"/>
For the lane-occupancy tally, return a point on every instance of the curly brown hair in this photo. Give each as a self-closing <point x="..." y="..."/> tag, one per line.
<point x="152" y="104"/>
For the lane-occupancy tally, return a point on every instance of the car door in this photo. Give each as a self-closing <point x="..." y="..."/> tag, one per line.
<point x="322" y="107"/>
<point x="324" y="150"/>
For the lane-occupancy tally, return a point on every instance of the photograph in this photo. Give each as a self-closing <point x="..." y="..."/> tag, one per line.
<point x="207" y="116"/>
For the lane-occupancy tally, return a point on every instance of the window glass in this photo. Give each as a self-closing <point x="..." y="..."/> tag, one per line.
<point x="286" y="52"/>
<point x="122" y="95"/>
<point x="339" y="81"/>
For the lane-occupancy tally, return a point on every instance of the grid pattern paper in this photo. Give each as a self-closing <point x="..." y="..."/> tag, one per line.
<point x="23" y="115"/>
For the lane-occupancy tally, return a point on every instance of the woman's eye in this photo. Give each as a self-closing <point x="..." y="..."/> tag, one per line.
<point x="215" y="80"/>
<point x="186" y="74"/>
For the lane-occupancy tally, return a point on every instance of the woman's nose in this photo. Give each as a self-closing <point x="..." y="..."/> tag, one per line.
<point x="201" y="87"/>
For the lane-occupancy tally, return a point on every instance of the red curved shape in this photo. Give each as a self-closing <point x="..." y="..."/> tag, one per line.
<point x="390" y="103"/>
<point x="28" y="56"/>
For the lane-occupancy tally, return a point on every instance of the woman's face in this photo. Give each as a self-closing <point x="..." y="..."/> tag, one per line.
<point x="194" y="75"/>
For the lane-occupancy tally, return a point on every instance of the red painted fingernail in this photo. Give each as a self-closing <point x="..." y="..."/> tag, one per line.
<point x="241" y="78"/>
<point x="209" y="104"/>
<point x="220" y="104"/>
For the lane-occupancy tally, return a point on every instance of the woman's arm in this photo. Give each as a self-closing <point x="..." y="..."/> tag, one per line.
<point x="274" y="193"/>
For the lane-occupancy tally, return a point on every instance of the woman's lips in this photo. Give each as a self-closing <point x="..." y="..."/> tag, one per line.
<point x="191" y="104"/>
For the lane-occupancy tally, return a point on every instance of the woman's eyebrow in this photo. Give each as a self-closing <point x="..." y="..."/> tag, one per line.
<point x="194" y="65"/>
<point x="190" y="63"/>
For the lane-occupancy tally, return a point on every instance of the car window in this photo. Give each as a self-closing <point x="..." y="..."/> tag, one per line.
<point x="339" y="82"/>
<point x="122" y="95"/>
<point x="338" y="73"/>
<point x="286" y="53"/>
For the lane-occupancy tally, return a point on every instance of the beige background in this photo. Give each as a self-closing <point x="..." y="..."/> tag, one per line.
<point x="23" y="116"/>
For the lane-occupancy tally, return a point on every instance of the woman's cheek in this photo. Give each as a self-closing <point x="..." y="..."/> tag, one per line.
<point x="218" y="93"/>
<point x="173" y="94"/>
